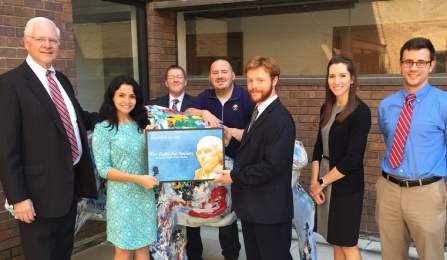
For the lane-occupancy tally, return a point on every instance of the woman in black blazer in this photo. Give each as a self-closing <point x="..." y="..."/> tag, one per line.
<point x="337" y="182"/>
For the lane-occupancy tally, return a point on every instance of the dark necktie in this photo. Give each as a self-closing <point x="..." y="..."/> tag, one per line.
<point x="174" y="104"/>
<point x="400" y="136"/>
<point x="253" y="117"/>
<point x="63" y="113"/>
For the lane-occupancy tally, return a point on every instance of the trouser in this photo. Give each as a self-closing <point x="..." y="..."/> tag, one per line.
<point x="417" y="213"/>
<point x="228" y="238"/>
<point x="267" y="241"/>
<point x="49" y="238"/>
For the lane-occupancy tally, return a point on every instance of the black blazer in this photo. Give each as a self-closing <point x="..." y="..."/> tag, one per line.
<point x="35" y="157"/>
<point x="261" y="190"/>
<point x="164" y="101"/>
<point x="347" y="143"/>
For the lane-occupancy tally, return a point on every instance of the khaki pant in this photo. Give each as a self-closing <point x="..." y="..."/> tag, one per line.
<point x="417" y="213"/>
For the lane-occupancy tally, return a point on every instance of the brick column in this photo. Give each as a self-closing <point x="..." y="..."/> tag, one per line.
<point x="162" y="47"/>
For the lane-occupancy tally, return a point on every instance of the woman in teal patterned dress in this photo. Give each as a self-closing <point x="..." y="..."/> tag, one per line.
<point x="119" y="152"/>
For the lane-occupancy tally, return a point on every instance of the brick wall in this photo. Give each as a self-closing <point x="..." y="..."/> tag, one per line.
<point x="303" y="103"/>
<point x="13" y="16"/>
<point x="162" y="47"/>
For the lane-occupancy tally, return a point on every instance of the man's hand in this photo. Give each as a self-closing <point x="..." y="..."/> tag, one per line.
<point x="210" y="120"/>
<point x="234" y="132"/>
<point x="223" y="177"/>
<point x="24" y="211"/>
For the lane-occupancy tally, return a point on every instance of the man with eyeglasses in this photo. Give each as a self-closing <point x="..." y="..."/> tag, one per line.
<point x="45" y="161"/>
<point x="411" y="195"/>
<point x="230" y="105"/>
<point x="175" y="81"/>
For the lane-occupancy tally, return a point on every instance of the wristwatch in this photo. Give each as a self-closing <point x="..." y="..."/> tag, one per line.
<point x="321" y="182"/>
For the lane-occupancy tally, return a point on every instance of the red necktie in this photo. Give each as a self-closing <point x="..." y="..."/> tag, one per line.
<point x="400" y="137"/>
<point x="63" y="113"/>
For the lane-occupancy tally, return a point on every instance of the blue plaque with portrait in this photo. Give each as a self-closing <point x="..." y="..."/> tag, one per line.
<point x="185" y="154"/>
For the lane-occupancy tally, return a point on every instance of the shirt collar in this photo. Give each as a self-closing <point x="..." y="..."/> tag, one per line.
<point x="39" y="70"/>
<point x="180" y="98"/>
<point x="262" y="106"/>
<point x="420" y="94"/>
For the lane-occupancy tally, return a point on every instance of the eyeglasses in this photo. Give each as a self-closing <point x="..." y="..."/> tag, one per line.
<point x="175" y="77"/>
<point x="43" y="40"/>
<point x="419" y="63"/>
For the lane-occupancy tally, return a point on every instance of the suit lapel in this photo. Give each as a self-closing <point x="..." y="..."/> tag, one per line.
<point x="166" y="101"/>
<point x="69" y="90"/>
<point x="185" y="102"/>
<point x="36" y="87"/>
<point x="258" y="123"/>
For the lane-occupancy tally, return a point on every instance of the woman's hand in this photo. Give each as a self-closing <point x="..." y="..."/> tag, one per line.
<point x="148" y="181"/>
<point x="315" y="188"/>
<point x="320" y="198"/>
<point x="316" y="192"/>
<point x="149" y="127"/>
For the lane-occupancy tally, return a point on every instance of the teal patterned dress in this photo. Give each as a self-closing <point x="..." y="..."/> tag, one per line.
<point x="131" y="212"/>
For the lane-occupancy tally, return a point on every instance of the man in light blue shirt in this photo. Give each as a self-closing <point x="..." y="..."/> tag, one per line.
<point x="411" y="197"/>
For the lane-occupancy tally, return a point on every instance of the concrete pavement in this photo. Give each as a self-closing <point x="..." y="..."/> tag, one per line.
<point x="369" y="246"/>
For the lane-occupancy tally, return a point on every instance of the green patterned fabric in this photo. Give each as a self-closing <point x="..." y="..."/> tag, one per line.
<point x="131" y="212"/>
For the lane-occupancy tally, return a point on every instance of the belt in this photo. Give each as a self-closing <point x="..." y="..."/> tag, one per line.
<point x="325" y="157"/>
<point x="412" y="182"/>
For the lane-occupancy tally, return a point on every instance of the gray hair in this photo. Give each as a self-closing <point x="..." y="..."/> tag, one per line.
<point x="33" y="21"/>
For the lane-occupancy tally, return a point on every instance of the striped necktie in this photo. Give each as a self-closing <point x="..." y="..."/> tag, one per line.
<point x="63" y="113"/>
<point x="253" y="117"/>
<point x="174" y="104"/>
<point x="400" y="136"/>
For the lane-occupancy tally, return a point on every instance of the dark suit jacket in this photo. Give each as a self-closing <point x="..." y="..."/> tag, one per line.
<point x="164" y="101"/>
<point x="35" y="157"/>
<point x="347" y="143"/>
<point x="261" y="191"/>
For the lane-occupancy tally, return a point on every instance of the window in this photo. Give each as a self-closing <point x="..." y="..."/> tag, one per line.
<point x="303" y="40"/>
<point x="107" y="45"/>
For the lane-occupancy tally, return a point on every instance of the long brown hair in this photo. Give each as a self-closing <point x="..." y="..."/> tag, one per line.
<point x="353" y="100"/>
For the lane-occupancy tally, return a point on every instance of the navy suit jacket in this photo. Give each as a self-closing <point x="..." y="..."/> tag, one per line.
<point x="261" y="190"/>
<point x="164" y="101"/>
<point x="35" y="157"/>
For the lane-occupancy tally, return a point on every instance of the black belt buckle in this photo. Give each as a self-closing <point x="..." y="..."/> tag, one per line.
<point x="408" y="184"/>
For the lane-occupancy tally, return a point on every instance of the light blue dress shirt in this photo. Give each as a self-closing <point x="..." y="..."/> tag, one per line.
<point x="425" y="152"/>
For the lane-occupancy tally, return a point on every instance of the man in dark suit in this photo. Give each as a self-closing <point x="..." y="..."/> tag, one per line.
<point x="45" y="160"/>
<point x="175" y="81"/>
<point x="261" y="177"/>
